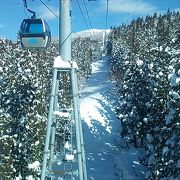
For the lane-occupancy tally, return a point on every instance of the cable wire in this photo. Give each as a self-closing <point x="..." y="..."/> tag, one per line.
<point x="49" y="9"/>
<point x="58" y="18"/>
<point x="76" y="34"/>
<point x="107" y="12"/>
<point x="88" y="16"/>
<point x="65" y="39"/>
<point x="106" y="22"/>
<point x="83" y="17"/>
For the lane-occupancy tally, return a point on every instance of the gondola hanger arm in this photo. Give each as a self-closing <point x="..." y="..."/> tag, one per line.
<point x="33" y="12"/>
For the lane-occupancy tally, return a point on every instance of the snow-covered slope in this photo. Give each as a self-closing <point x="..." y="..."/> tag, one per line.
<point x="94" y="34"/>
<point x="108" y="157"/>
<point x="100" y="124"/>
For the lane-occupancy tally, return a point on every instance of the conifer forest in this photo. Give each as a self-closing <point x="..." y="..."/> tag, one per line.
<point x="145" y="65"/>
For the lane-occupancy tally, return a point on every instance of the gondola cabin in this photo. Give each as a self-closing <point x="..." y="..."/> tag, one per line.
<point x="34" y="33"/>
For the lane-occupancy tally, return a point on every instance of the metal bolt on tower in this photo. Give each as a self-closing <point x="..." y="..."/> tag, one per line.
<point x="64" y="156"/>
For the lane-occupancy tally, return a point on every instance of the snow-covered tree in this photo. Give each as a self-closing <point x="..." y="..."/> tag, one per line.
<point x="82" y="53"/>
<point x="144" y="55"/>
<point x="25" y="86"/>
<point x="24" y="98"/>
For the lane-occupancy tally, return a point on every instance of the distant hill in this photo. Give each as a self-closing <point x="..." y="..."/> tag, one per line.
<point x="93" y="34"/>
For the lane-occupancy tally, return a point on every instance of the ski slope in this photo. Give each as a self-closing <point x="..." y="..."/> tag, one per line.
<point x="100" y="124"/>
<point x="105" y="156"/>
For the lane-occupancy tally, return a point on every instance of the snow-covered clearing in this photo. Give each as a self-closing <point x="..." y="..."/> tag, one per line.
<point x="106" y="157"/>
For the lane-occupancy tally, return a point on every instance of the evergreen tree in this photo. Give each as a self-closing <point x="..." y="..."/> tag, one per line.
<point x="144" y="55"/>
<point x="25" y="86"/>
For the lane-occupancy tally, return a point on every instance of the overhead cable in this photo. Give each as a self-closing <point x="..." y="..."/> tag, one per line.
<point x="49" y="9"/>
<point x="88" y="15"/>
<point x="107" y="12"/>
<point x="83" y="17"/>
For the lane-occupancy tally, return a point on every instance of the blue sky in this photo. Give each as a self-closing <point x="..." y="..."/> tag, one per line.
<point x="120" y="11"/>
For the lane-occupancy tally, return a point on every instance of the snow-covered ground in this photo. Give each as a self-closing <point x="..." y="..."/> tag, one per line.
<point x="101" y="127"/>
<point x="107" y="158"/>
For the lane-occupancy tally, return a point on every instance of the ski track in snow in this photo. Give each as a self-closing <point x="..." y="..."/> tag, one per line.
<point x="100" y="126"/>
<point x="106" y="152"/>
